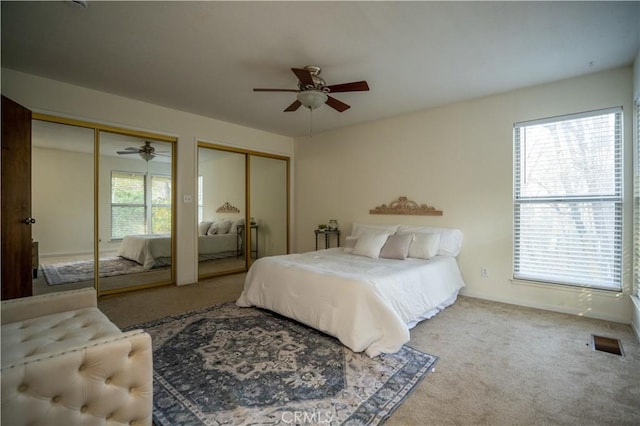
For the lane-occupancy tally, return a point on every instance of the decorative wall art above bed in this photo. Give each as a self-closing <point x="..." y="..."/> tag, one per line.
<point x="227" y="208"/>
<point x="404" y="206"/>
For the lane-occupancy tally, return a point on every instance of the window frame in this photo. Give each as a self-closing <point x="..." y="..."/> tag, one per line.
<point x="616" y="197"/>
<point x="123" y="205"/>
<point x="148" y="204"/>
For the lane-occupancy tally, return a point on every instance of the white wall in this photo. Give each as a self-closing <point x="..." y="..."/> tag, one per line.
<point x="458" y="158"/>
<point x="223" y="175"/>
<point x="61" y="99"/>
<point x="62" y="201"/>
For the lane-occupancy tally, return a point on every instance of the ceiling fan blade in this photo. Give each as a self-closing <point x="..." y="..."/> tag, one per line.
<point x="275" y="90"/>
<point x="304" y="76"/>
<point x="336" y="104"/>
<point x="128" y="152"/>
<point x="294" y="106"/>
<point x="356" y="86"/>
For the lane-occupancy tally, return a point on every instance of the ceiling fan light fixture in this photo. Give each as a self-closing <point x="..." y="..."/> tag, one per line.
<point x="312" y="99"/>
<point x="146" y="156"/>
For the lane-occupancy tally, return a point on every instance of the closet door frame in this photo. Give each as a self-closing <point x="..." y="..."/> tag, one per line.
<point x="97" y="128"/>
<point x="247" y="195"/>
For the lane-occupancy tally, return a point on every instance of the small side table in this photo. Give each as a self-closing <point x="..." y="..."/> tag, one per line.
<point x="240" y="240"/>
<point x="327" y="237"/>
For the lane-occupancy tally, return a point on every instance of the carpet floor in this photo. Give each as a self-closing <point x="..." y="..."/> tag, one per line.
<point x="231" y="365"/>
<point x="499" y="364"/>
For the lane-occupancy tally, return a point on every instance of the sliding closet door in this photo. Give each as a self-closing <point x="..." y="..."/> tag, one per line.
<point x="269" y="201"/>
<point x="63" y="204"/>
<point x="221" y="211"/>
<point x="135" y="211"/>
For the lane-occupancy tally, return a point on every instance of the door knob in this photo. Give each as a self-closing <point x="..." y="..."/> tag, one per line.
<point x="29" y="221"/>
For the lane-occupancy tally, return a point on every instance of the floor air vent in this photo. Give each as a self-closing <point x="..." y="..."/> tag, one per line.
<point x="606" y="344"/>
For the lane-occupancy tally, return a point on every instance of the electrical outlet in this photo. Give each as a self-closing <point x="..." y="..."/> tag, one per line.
<point x="484" y="272"/>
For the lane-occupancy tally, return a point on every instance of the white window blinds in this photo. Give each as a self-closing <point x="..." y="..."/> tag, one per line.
<point x="128" y="207"/>
<point x="568" y="199"/>
<point x="636" y="204"/>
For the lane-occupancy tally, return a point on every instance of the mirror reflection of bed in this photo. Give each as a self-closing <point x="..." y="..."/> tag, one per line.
<point x="222" y="194"/>
<point x="134" y="197"/>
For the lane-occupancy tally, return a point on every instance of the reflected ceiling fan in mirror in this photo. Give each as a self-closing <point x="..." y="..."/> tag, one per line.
<point x="313" y="91"/>
<point x="146" y="151"/>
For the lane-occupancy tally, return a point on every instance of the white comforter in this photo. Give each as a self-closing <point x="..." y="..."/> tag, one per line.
<point x="144" y="249"/>
<point x="368" y="304"/>
<point x="152" y="250"/>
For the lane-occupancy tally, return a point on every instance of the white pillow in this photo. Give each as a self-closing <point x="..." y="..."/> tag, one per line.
<point x="224" y="226"/>
<point x="370" y="243"/>
<point x="424" y="246"/>
<point x="450" y="238"/>
<point x="349" y="244"/>
<point x="358" y="228"/>
<point x="397" y="246"/>
<point x="213" y="228"/>
<point x="203" y="227"/>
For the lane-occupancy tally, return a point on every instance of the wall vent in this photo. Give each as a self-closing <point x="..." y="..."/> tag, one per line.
<point x="606" y="344"/>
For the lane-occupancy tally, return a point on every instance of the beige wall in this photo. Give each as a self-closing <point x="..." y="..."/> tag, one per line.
<point x="223" y="178"/>
<point x="61" y="99"/>
<point x="458" y="158"/>
<point x="62" y="202"/>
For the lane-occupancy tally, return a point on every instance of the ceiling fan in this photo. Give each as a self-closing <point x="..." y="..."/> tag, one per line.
<point x="313" y="91"/>
<point x="146" y="151"/>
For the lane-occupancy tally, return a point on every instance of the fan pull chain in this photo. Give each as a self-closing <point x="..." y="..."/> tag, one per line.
<point x="310" y="122"/>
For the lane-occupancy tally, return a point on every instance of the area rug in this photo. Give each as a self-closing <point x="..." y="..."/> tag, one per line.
<point x="83" y="270"/>
<point x="227" y="365"/>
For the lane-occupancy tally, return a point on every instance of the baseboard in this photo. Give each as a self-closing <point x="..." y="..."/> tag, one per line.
<point x="635" y="322"/>
<point x="548" y="307"/>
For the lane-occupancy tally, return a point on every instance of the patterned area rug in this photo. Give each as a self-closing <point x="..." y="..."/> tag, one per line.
<point x="83" y="270"/>
<point x="230" y="365"/>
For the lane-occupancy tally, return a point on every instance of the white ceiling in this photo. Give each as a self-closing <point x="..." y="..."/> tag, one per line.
<point x="205" y="57"/>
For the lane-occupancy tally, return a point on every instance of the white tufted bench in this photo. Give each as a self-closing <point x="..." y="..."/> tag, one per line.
<point x="65" y="363"/>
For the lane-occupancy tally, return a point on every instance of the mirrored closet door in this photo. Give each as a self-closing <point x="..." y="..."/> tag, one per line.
<point x="250" y="192"/>
<point x="269" y="205"/>
<point x="221" y="211"/>
<point x="103" y="199"/>
<point x="62" y="197"/>
<point x="135" y="207"/>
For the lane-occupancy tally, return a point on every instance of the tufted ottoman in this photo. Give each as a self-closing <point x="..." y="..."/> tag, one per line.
<point x="65" y="363"/>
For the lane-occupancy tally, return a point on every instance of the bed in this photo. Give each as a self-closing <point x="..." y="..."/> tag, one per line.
<point x="152" y="251"/>
<point x="368" y="303"/>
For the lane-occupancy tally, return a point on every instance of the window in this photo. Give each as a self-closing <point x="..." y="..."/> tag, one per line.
<point x="200" y="198"/>
<point x="636" y="205"/>
<point x="568" y="200"/>
<point x="160" y="204"/>
<point x="138" y="205"/>
<point x="128" y="208"/>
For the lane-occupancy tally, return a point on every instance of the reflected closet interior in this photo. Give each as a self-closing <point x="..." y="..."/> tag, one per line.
<point x="101" y="196"/>
<point x="236" y="188"/>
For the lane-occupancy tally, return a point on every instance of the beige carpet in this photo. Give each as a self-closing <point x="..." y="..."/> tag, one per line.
<point x="499" y="364"/>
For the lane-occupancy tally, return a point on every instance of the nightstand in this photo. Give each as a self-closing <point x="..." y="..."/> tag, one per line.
<point x="327" y="237"/>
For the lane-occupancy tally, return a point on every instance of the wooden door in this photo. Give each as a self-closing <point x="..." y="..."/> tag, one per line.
<point x="15" y="254"/>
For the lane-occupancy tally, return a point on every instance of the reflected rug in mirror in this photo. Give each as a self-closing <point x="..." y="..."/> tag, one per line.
<point x="231" y="365"/>
<point x="83" y="270"/>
